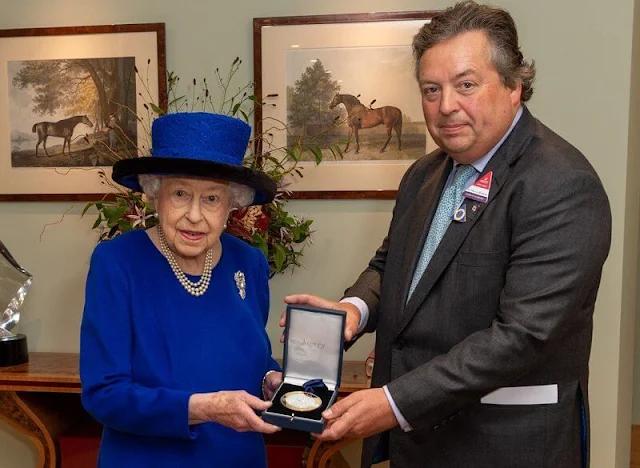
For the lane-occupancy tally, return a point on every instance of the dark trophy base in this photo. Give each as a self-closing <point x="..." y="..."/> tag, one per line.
<point x="13" y="351"/>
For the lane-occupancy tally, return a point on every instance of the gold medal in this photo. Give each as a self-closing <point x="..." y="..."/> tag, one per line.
<point x="300" y="401"/>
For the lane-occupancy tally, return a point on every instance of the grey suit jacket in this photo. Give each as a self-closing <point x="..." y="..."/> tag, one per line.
<point x="507" y="300"/>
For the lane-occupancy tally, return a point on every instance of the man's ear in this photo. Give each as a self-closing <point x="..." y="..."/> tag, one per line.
<point x="516" y="94"/>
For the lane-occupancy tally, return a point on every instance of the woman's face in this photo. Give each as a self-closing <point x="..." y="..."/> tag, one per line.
<point x="192" y="213"/>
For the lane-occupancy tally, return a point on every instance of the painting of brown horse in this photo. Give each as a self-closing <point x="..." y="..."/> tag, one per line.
<point x="359" y="116"/>
<point x="62" y="128"/>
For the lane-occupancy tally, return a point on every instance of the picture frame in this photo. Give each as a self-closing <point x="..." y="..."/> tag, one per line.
<point x="68" y="92"/>
<point x="286" y="53"/>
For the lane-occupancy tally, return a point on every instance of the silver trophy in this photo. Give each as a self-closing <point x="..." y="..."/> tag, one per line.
<point x="14" y="284"/>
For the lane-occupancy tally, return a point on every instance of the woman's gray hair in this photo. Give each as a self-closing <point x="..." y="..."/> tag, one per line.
<point x="499" y="27"/>
<point x="241" y="195"/>
<point x="150" y="185"/>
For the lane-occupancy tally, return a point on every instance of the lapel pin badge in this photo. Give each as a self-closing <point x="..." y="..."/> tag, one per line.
<point x="460" y="215"/>
<point x="479" y="191"/>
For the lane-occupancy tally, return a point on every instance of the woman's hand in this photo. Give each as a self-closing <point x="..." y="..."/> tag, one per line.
<point x="272" y="381"/>
<point x="234" y="409"/>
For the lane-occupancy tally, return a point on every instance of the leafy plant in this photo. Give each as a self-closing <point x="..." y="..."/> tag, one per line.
<point x="281" y="236"/>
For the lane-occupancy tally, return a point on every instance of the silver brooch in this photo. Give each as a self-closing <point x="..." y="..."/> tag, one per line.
<point x="241" y="284"/>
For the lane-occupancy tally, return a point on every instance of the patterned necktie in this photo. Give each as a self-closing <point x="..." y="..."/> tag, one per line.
<point x="449" y="201"/>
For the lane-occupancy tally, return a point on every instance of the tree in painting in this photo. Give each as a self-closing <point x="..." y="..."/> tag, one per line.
<point x="308" y="100"/>
<point x="102" y="89"/>
<point x="83" y="86"/>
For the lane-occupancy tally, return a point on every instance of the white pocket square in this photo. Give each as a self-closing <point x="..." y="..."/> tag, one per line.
<point x="530" y="395"/>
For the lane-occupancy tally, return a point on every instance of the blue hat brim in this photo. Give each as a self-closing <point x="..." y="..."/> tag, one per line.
<point x="126" y="171"/>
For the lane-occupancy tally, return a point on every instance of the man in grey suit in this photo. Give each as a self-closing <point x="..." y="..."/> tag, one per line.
<point x="482" y="294"/>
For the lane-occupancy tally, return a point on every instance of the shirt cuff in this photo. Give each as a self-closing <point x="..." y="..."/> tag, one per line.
<point x="362" y="307"/>
<point x="404" y="424"/>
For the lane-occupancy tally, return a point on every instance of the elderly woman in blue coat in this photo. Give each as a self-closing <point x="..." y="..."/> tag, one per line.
<point x="175" y="361"/>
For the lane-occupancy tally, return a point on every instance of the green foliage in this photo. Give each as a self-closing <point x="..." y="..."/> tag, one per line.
<point x="127" y="211"/>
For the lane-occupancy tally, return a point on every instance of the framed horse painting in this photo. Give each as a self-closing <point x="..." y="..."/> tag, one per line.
<point x="347" y="83"/>
<point x="72" y="102"/>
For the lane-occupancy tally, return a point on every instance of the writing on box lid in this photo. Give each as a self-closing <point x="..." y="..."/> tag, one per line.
<point x="314" y="344"/>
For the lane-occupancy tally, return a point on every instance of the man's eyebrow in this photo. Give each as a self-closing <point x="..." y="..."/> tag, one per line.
<point x="464" y="73"/>
<point x="457" y="76"/>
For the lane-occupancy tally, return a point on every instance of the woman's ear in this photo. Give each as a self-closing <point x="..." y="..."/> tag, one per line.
<point x="154" y="205"/>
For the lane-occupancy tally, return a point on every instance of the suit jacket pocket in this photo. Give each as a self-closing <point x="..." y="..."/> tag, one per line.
<point x="511" y="436"/>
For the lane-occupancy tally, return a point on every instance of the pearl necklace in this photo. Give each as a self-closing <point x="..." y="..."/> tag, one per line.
<point x="198" y="288"/>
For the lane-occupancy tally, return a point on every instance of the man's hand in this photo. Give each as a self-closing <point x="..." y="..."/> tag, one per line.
<point x="353" y="314"/>
<point x="359" y="415"/>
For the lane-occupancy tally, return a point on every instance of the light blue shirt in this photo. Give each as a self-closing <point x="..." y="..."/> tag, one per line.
<point x="479" y="166"/>
<point x="481" y="163"/>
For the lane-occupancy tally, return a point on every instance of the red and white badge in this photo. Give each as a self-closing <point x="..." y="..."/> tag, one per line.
<point x="479" y="191"/>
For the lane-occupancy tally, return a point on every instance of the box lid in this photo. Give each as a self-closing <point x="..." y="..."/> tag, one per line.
<point x="313" y="345"/>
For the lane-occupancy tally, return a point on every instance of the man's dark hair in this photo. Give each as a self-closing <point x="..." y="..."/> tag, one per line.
<point x="499" y="27"/>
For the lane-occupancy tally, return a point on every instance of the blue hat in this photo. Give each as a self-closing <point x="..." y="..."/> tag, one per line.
<point x="198" y="144"/>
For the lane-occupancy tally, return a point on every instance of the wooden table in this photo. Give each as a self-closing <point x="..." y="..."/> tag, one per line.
<point x="40" y="399"/>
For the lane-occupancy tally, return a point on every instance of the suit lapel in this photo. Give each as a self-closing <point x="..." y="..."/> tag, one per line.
<point x="500" y="163"/>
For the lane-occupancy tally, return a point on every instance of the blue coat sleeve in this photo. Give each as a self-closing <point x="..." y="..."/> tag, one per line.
<point x="108" y="392"/>
<point x="264" y="302"/>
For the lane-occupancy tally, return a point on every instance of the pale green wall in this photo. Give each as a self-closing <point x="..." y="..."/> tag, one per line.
<point x="630" y="268"/>
<point x="583" y="51"/>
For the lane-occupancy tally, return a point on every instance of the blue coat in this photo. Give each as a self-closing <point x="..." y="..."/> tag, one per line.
<point x="147" y="345"/>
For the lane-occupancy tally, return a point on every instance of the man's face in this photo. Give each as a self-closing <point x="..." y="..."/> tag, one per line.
<point x="466" y="107"/>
